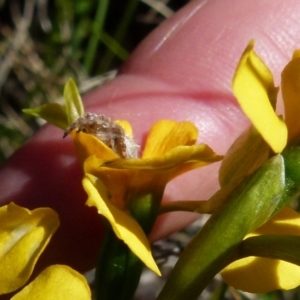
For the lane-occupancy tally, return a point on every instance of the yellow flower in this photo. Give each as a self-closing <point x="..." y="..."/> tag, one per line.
<point x="56" y="282"/>
<point x="116" y="186"/>
<point x="261" y="275"/>
<point x="254" y="89"/>
<point x="24" y="234"/>
<point x="23" y="237"/>
<point x="113" y="183"/>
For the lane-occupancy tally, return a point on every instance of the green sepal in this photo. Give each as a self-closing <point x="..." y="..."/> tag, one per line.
<point x="73" y="101"/>
<point x="53" y="113"/>
<point x="59" y="115"/>
<point x="291" y="156"/>
<point x="251" y="205"/>
<point x="248" y="152"/>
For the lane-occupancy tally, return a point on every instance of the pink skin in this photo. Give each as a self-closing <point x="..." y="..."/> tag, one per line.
<point x="182" y="71"/>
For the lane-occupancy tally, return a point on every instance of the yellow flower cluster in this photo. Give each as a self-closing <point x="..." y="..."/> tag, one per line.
<point x="24" y="234"/>
<point x="256" y="93"/>
<point x="113" y="183"/>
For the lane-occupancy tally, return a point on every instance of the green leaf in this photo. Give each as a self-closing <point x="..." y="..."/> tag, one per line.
<point x="73" y="101"/>
<point x="53" y="113"/>
<point x="250" y="205"/>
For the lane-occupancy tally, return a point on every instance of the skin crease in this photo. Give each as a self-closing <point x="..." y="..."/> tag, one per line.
<point x="182" y="71"/>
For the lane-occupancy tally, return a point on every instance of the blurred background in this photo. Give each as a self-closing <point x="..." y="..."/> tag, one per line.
<point x="45" y="42"/>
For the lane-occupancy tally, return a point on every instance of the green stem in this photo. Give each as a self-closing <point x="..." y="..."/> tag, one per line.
<point x="201" y="207"/>
<point x="118" y="270"/>
<point x="250" y="206"/>
<point x="219" y="292"/>
<point x="114" y="46"/>
<point x="145" y="209"/>
<point x="283" y="247"/>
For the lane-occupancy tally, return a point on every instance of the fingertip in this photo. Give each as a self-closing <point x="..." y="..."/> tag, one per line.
<point x="203" y="42"/>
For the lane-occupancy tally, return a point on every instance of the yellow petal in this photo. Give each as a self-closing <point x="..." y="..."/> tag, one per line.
<point x="296" y="54"/>
<point x="117" y="182"/>
<point x="286" y="221"/>
<point x="87" y="145"/>
<point x="23" y="236"/>
<point x="254" y="89"/>
<point x="125" y="227"/>
<point x="176" y="157"/>
<point x="123" y="176"/>
<point x="290" y="85"/>
<point x="261" y="275"/>
<point x="57" y="282"/>
<point x="163" y="168"/>
<point x="166" y="134"/>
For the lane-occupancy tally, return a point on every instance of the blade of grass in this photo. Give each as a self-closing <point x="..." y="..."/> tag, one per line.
<point x="219" y="292"/>
<point x="119" y="35"/>
<point x="114" y="46"/>
<point x="97" y="27"/>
